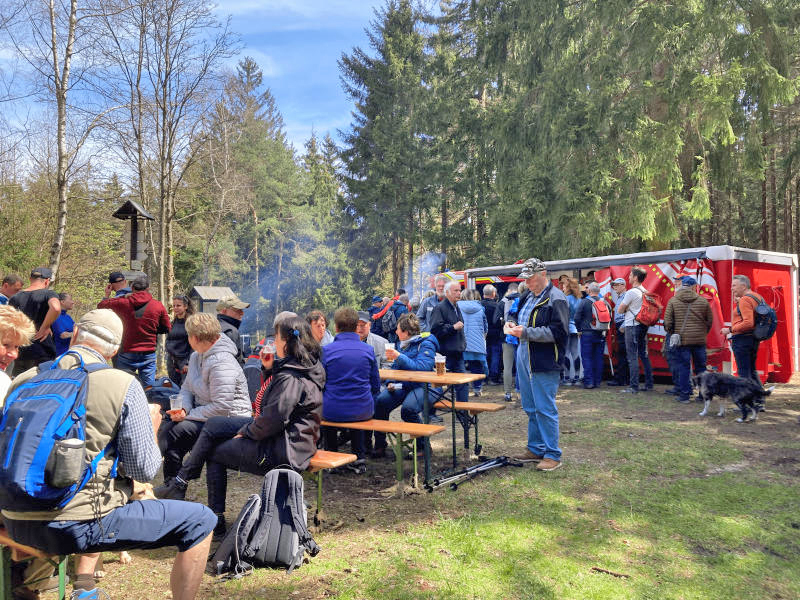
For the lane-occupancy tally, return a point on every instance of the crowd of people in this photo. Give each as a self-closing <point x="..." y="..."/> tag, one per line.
<point x="540" y="335"/>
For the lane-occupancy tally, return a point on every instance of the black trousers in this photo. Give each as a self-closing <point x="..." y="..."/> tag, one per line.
<point x="216" y="448"/>
<point x="175" y="440"/>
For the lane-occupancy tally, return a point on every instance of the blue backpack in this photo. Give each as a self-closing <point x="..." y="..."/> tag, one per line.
<point x="42" y="438"/>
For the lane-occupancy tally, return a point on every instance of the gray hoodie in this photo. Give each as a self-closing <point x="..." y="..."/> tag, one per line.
<point x="215" y="384"/>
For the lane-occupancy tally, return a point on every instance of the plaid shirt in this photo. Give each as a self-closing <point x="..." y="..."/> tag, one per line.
<point x="139" y="456"/>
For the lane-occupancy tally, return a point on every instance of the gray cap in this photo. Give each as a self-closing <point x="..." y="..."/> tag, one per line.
<point x="530" y="267"/>
<point x="103" y="323"/>
<point x="364" y="316"/>
<point x="231" y="302"/>
<point x="618" y="280"/>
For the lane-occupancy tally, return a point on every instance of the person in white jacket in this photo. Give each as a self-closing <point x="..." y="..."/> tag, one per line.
<point x="215" y="385"/>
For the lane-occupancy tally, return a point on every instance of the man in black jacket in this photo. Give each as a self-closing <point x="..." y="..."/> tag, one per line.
<point x="447" y="325"/>
<point x="494" y="336"/>
<point x="230" y="311"/>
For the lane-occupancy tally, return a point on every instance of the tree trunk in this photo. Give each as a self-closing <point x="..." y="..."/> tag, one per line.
<point x="410" y="259"/>
<point x="61" y="84"/>
<point x="712" y="230"/>
<point x="445" y="225"/>
<point x="278" y="275"/>
<point x="773" y="234"/>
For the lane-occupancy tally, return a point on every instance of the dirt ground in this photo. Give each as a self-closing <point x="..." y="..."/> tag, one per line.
<point x="356" y="507"/>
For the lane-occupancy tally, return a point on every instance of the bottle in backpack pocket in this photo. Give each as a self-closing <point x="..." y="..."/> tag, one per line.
<point x="67" y="463"/>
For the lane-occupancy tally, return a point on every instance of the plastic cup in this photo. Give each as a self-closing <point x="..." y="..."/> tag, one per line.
<point x="388" y="346"/>
<point x="268" y="351"/>
<point x="175" y="402"/>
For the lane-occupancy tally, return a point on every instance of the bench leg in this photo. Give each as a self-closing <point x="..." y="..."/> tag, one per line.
<point x="5" y="572"/>
<point x="415" y="481"/>
<point x="478" y="447"/>
<point x="317" y="515"/>
<point x="62" y="578"/>
<point x="398" y="456"/>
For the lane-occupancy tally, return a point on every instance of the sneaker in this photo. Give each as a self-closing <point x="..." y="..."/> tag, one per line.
<point x="476" y="393"/>
<point x="648" y="388"/>
<point x="614" y="384"/>
<point x="527" y="456"/>
<point x="359" y="467"/>
<point x="672" y="391"/>
<point x="548" y="464"/>
<point x="93" y="594"/>
<point x="683" y="400"/>
<point x="174" y="490"/>
<point x="220" y="529"/>
<point x="509" y="398"/>
<point x="435" y="420"/>
<point x="630" y="390"/>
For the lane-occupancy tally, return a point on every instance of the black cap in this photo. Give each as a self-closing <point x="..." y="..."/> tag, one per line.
<point x="41" y="273"/>
<point x="115" y="277"/>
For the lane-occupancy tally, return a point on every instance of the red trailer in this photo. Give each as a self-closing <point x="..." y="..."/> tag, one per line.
<point x="773" y="275"/>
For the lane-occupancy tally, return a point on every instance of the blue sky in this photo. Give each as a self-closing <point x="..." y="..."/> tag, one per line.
<point x="297" y="44"/>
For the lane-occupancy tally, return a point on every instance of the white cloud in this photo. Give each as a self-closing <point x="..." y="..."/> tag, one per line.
<point x="289" y="15"/>
<point x="268" y="65"/>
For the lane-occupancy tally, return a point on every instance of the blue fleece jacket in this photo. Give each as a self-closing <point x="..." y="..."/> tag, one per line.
<point x="416" y="354"/>
<point x="352" y="379"/>
<point x="475" y="325"/>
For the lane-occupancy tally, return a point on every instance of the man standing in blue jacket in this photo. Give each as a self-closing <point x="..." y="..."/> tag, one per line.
<point x="352" y="383"/>
<point x="542" y="331"/>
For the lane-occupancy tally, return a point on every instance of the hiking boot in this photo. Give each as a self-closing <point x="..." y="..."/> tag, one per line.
<point x="220" y="528"/>
<point x="93" y="594"/>
<point x="509" y="398"/>
<point x="435" y="420"/>
<point x="630" y="390"/>
<point x="648" y="388"/>
<point x="359" y="467"/>
<point x="378" y="452"/>
<point x="174" y="490"/>
<point x="548" y="464"/>
<point x="527" y="456"/>
<point x="672" y="391"/>
<point x="476" y="393"/>
<point x="683" y="400"/>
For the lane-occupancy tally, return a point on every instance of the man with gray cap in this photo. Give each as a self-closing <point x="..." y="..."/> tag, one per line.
<point x="377" y="342"/>
<point x="617" y="349"/>
<point x="542" y="331"/>
<point x="100" y="516"/>
<point x="42" y="306"/>
<point x="144" y="318"/>
<point x="230" y="311"/>
<point x="687" y="321"/>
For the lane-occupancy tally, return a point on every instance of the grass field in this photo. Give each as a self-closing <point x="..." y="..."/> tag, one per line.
<point x="653" y="501"/>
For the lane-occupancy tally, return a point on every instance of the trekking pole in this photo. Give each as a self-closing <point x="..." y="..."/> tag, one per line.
<point x="455" y="479"/>
<point x="499" y="463"/>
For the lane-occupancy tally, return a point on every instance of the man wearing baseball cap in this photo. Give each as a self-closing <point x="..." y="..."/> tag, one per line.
<point x="101" y="516"/>
<point x="118" y="284"/>
<point x="614" y="299"/>
<point x="230" y="311"/>
<point x="41" y="305"/>
<point x="542" y="331"/>
<point x="377" y="305"/>
<point x="688" y="319"/>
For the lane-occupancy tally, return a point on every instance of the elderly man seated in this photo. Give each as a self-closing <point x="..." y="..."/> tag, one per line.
<point x="99" y="517"/>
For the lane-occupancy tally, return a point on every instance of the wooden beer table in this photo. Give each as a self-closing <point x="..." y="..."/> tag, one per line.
<point x="431" y="378"/>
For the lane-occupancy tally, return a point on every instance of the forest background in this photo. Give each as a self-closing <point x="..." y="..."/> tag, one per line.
<point x="482" y="133"/>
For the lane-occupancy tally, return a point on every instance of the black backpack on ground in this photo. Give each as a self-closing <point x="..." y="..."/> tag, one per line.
<point x="270" y="530"/>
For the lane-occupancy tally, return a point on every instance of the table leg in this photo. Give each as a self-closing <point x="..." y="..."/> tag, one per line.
<point x="426" y="409"/>
<point x="415" y="483"/>
<point x="398" y="452"/>
<point x="5" y="572"/>
<point x="453" y="422"/>
<point x="62" y="577"/>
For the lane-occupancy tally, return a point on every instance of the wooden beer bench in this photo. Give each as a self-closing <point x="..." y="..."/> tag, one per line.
<point x="11" y="550"/>
<point x="395" y="430"/>
<point x="322" y="460"/>
<point x="468" y="416"/>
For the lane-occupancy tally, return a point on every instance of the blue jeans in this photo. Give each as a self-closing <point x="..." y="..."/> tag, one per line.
<point x="494" y="354"/>
<point x="636" y="347"/>
<point x="478" y="367"/>
<point x="592" y="344"/>
<point x="141" y="364"/>
<point x="681" y="355"/>
<point x="538" y="397"/>
<point x="745" y="351"/>
<point x="455" y="364"/>
<point x="412" y="405"/>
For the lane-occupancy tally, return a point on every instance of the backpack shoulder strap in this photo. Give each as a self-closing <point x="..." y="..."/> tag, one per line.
<point x="306" y="542"/>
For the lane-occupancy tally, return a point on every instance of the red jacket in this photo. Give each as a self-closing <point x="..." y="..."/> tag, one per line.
<point x="139" y="333"/>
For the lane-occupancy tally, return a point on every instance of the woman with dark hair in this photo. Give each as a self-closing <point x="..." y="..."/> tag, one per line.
<point x="285" y="432"/>
<point x="178" y="348"/>
<point x="572" y="368"/>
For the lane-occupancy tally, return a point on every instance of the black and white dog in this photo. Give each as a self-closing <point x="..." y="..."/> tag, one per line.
<point x="745" y="393"/>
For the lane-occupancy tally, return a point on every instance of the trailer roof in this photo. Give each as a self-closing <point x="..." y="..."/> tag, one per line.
<point x="642" y="258"/>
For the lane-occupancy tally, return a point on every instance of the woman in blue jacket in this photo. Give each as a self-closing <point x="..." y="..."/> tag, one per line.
<point x="416" y="353"/>
<point x="475" y="328"/>
<point x="572" y="368"/>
